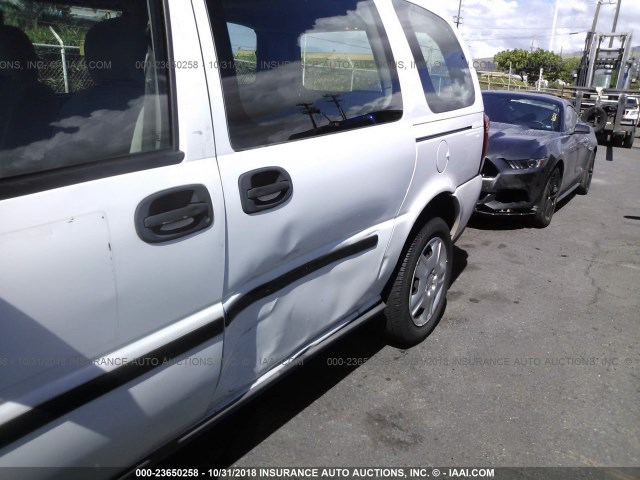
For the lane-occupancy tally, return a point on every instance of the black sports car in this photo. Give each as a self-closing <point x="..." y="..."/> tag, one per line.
<point x="539" y="152"/>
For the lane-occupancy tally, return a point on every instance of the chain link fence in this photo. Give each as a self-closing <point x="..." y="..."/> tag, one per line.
<point x="328" y="75"/>
<point x="52" y="71"/>
<point x="343" y="77"/>
<point x="245" y="71"/>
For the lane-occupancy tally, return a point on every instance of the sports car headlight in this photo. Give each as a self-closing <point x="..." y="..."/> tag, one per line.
<point x="526" y="164"/>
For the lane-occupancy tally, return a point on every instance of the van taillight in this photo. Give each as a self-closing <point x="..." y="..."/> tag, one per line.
<point x="485" y="143"/>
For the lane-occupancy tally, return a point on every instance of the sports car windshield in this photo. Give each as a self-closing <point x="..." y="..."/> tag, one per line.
<point x="531" y="113"/>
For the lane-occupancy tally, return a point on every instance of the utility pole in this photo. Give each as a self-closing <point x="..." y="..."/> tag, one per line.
<point x="458" y="18"/>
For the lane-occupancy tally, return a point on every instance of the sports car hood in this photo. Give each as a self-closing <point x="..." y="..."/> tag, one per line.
<point x="517" y="142"/>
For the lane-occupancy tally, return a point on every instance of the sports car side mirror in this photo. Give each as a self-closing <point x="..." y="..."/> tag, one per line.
<point x="581" y="128"/>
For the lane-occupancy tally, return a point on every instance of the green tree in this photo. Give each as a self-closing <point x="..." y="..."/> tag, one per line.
<point x="570" y="66"/>
<point x="31" y="13"/>
<point x="529" y="64"/>
<point x="34" y="18"/>
<point x="550" y="62"/>
<point x="9" y="12"/>
<point x="516" y="59"/>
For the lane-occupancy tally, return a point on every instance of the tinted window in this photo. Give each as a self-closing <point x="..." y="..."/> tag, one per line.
<point x="536" y="114"/>
<point x="320" y="68"/>
<point x="243" y="46"/>
<point x="105" y="96"/>
<point x="443" y="68"/>
<point x="339" y="61"/>
<point x="571" y="119"/>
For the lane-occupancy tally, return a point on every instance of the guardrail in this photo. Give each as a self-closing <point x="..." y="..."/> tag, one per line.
<point x="493" y="85"/>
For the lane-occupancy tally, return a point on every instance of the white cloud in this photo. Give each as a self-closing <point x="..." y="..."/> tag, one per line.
<point x="490" y="26"/>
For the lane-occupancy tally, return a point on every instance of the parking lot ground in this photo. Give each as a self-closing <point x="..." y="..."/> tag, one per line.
<point x="536" y="361"/>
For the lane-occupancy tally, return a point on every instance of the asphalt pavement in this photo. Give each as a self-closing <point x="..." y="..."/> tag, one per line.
<point x="536" y="361"/>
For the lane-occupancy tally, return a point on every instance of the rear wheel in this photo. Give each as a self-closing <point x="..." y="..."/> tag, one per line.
<point x="547" y="204"/>
<point x="418" y="295"/>
<point x="585" y="182"/>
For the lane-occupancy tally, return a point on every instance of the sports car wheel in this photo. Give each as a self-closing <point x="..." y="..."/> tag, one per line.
<point x="418" y="294"/>
<point x="585" y="182"/>
<point x="547" y="204"/>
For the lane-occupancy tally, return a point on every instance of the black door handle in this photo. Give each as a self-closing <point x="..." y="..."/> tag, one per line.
<point x="174" y="216"/>
<point x="174" y="213"/>
<point x="264" y="189"/>
<point x="267" y="190"/>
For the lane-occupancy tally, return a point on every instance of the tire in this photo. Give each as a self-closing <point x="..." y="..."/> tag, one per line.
<point x="585" y="181"/>
<point x="628" y="140"/>
<point x="418" y="294"/>
<point x="596" y="117"/>
<point x="547" y="204"/>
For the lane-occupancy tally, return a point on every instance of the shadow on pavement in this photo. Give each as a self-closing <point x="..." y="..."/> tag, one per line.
<point x="460" y="257"/>
<point x="236" y="435"/>
<point x="563" y="203"/>
<point x="239" y="433"/>
<point x="481" y="221"/>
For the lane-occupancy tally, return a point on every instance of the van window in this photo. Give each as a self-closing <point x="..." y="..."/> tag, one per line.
<point x="339" y="61"/>
<point x="102" y="95"/>
<point x="243" y="45"/>
<point x="319" y="68"/>
<point x="444" y="70"/>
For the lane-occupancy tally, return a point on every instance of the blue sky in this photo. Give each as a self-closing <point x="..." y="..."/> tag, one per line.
<point x="490" y="26"/>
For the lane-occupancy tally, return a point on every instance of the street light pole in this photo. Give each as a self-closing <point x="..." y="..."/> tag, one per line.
<point x="553" y="27"/>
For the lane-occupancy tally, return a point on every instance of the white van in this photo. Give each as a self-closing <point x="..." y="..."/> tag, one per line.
<point x="194" y="194"/>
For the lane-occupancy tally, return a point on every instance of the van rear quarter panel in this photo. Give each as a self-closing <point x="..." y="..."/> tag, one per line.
<point x="456" y="137"/>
